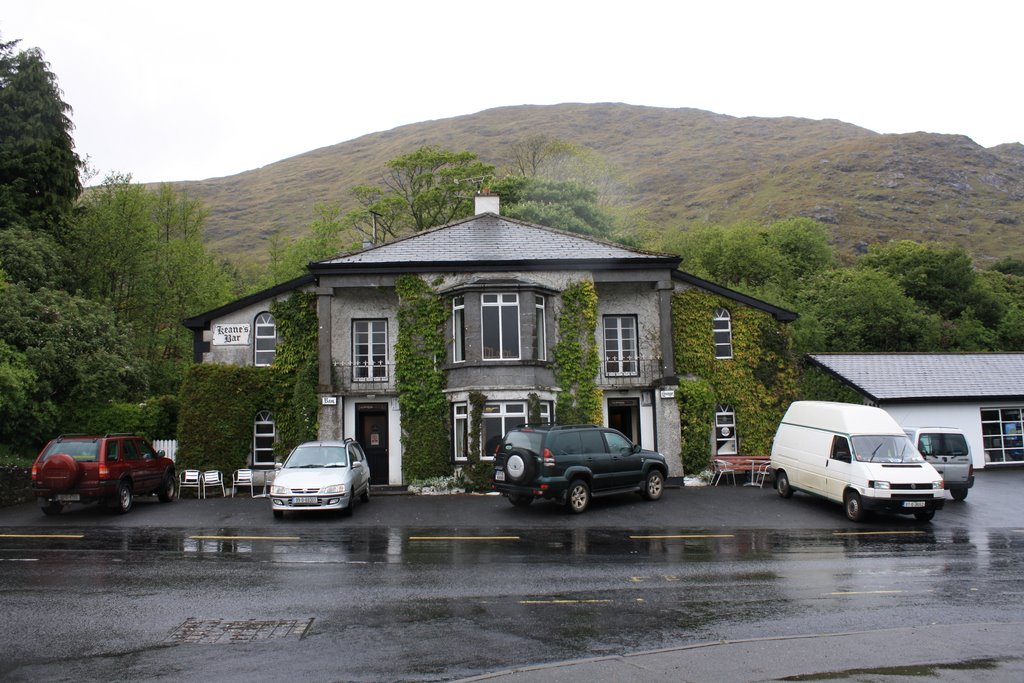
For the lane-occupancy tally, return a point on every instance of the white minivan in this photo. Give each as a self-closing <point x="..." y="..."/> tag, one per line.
<point x="856" y="455"/>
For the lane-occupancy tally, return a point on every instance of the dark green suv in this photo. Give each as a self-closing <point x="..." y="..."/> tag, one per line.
<point x="572" y="463"/>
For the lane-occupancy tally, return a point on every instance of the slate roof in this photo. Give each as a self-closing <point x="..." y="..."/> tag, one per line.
<point x="905" y="377"/>
<point x="488" y="237"/>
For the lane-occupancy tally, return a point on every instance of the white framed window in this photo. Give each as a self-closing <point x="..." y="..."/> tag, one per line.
<point x="620" y="345"/>
<point x="501" y="416"/>
<point x="264" y="340"/>
<point x="540" y="330"/>
<point x="264" y="434"/>
<point x="721" y="327"/>
<point x="369" y="350"/>
<point x="458" y="329"/>
<point x="460" y="431"/>
<point x="726" y="440"/>
<point x="499" y="315"/>
<point x="1002" y="434"/>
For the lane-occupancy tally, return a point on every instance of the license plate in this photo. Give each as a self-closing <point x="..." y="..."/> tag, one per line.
<point x="67" y="497"/>
<point x="499" y="475"/>
<point x="305" y="500"/>
<point x="913" y="503"/>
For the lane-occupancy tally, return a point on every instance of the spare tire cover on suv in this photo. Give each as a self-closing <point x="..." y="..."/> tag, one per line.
<point x="59" y="472"/>
<point x="520" y="465"/>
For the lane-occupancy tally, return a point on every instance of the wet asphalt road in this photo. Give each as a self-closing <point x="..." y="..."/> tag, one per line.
<point x="438" y="588"/>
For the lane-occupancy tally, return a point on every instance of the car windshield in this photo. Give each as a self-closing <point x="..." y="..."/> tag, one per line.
<point x="317" y="456"/>
<point x="83" y="451"/>
<point x="885" y="448"/>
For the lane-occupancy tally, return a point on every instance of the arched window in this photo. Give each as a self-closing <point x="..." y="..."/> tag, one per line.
<point x="721" y="326"/>
<point x="265" y="346"/>
<point x="264" y="433"/>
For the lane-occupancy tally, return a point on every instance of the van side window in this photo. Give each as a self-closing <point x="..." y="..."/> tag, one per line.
<point x="841" y="449"/>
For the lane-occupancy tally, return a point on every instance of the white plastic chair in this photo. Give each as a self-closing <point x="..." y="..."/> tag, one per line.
<point x="213" y="478"/>
<point x="723" y="468"/>
<point x="191" y="479"/>
<point x="760" y="473"/>
<point x="243" y="478"/>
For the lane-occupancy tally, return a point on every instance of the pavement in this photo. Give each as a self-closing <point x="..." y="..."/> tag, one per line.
<point x="953" y="652"/>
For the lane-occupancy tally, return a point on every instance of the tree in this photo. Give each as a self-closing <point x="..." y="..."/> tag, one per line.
<point x="140" y="252"/>
<point x="39" y="180"/>
<point x="327" y="235"/>
<point x="421" y="190"/>
<point x="862" y="309"/>
<point x="941" y="278"/>
<point x="563" y="205"/>
<point x="63" y="355"/>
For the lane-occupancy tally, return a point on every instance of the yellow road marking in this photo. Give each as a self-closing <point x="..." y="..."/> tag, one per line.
<point x="876" y="533"/>
<point x="864" y="592"/>
<point x="464" y="538"/>
<point x="562" y="602"/>
<point x="42" y="535"/>
<point x="686" y="536"/>
<point x="245" y="538"/>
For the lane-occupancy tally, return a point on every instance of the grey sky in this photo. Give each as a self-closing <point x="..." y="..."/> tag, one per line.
<point x="191" y="90"/>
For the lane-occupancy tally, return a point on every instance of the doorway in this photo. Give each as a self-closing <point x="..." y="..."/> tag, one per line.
<point x="372" y="435"/>
<point x="624" y="415"/>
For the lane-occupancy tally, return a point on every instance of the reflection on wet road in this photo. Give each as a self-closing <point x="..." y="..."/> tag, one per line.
<point x="367" y="603"/>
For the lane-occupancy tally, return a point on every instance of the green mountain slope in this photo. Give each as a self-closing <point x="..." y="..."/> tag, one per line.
<point x="681" y="166"/>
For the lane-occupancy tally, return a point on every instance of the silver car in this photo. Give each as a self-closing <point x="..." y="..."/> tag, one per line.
<point x="321" y="475"/>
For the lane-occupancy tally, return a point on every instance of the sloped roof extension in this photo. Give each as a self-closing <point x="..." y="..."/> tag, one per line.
<point x="907" y="377"/>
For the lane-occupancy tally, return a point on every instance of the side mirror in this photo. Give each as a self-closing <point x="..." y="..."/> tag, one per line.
<point x="636" y="448"/>
<point x="356" y="463"/>
<point x="278" y="465"/>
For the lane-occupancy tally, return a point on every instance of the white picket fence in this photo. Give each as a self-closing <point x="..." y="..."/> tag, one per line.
<point x="168" y="446"/>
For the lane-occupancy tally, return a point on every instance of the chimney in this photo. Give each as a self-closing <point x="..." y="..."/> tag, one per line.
<point x="485" y="202"/>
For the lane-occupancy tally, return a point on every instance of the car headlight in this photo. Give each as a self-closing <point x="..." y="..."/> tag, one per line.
<point x="938" y="484"/>
<point x="276" y="490"/>
<point x="336" y="488"/>
<point x="880" y="485"/>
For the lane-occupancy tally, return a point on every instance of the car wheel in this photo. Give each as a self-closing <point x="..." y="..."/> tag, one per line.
<point x="278" y="514"/>
<point x="167" y="489"/>
<point x="924" y="516"/>
<point x="577" y="498"/>
<point x="59" y="472"/>
<point x="854" y="506"/>
<point x="122" y="503"/>
<point x="782" y="484"/>
<point x="958" y="493"/>
<point x="520" y="501"/>
<point x="366" y="494"/>
<point x="654" y="486"/>
<point x="51" y="507"/>
<point x="520" y="465"/>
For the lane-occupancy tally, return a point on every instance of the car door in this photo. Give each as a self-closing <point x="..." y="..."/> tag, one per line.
<point x="625" y="462"/>
<point x="360" y="473"/>
<point x="596" y="458"/>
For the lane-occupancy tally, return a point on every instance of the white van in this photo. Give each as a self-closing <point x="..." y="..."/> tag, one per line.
<point x="855" y="455"/>
<point x="947" y="450"/>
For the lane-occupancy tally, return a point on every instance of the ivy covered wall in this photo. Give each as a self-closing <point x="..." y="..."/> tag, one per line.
<point x="219" y="402"/>
<point x="759" y="381"/>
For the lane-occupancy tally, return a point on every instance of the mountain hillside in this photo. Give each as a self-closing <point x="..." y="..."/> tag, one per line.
<point x="682" y="166"/>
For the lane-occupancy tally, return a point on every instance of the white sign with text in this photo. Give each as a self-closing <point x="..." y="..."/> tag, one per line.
<point x="231" y="334"/>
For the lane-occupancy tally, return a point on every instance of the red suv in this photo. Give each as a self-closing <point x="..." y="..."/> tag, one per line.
<point x="113" y="468"/>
